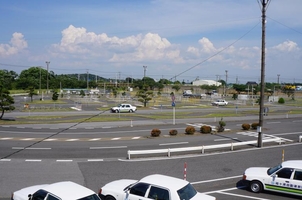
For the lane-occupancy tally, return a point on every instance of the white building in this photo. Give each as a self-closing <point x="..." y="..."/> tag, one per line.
<point x="206" y="82"/>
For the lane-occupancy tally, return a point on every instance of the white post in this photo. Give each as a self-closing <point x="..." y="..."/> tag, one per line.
<point x="173" y="115"/>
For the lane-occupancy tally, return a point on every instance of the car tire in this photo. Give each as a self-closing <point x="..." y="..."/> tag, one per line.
<point x="109" y="198"/>
<point x="256" y="186"/>
<point x="130" y="111"/>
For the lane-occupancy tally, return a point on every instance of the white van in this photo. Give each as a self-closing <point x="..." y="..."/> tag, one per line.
<point x="285" y="178"/>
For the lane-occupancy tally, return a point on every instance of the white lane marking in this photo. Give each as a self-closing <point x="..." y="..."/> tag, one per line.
<point x="225" y="139"/>
<point x="173" y="143"/>
<point x="273" y="122"/>
<point x="89" y="128"/>
<point x="116" y="147"/>
<point x="239" y="195"/>
<point x="36" y="128"/>
<point x="72" y="140"/>
<point x="31" y="148"/>
<point x="5" y="160"/>
<point x="297" y="121"/>
<point x="218" y="179"/>
<point x="64" y="160"/>
<point x="30" y="160"/>
<point x="7" y="138"/>
<point x="26" y="139"/>
<point x="95" y="139"/>
<point x="95" y="160"/>
<point x="48" y="140"/>
<point x="106" y="127"/>
<point x="117" y="138"/>
<point x="135" y="138"/>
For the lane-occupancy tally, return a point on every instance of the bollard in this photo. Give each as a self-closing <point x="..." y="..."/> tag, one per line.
<point x="185" y="171"/>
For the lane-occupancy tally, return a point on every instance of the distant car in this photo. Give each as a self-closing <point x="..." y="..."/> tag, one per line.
<point x="65" y="190"/>
<point x="220" y="102"/>
<point x="155" y="186"/>
<point x="285" y="178"/>
<point x="123" y="108"/>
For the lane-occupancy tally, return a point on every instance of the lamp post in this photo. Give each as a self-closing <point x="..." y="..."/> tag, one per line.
<point x="47" y="63"/>
<point x="40" y="83"/>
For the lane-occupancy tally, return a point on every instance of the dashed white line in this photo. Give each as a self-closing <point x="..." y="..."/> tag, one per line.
<point x="26" y="139"/>
<point x="116" y="147"/>
<point x="31" y="148"/>
<point x="8" y="138"/>
<point x="173" y="143"/>
<point x="5" y="160"/>
<point x="95" y="139"/>
<point x="239" y="195"/>
<point x="95" y="160"/>
<point x="225" y="139"/>
<point x="64" y="160"/>
<point x="30" y="160"/>
<point x="48" y="140"/>
<point x="118" y="138"/>
<point x="135" y="138"/>
<point x="72" y="140"/>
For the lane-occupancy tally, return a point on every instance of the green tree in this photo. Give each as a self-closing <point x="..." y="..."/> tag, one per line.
<point x="239" y="88"/>
<point x="176" y="87"/>
<point x="55" y="96"/>
<point x="31" y="92"/>
<point x="144" y="96"/>
<point x="6" y="101"/>
<point x="82" y="93"/>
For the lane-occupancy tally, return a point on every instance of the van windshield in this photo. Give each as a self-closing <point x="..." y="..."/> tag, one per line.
<point x="273" y="169"/>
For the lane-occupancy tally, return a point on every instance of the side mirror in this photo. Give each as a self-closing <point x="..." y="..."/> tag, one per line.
<point x="29" y="196"/>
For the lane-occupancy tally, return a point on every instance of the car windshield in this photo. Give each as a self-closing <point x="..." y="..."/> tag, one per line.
<point x="186" y="192"/>
<point x="91" y="197"/>
<point x="273" y="169"/>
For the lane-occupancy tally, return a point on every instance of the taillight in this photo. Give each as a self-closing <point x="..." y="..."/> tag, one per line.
<point x="244" y="177"/>
<point x="100" y="191"/>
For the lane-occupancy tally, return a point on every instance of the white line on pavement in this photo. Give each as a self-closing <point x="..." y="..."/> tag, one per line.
<point x="116" y="147"/>
<point x="173" y="143"/>
<point x="244" y="196"/>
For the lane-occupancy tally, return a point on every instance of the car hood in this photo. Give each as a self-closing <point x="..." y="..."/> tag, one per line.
<point x="256" y="171"/>
<point x="118" y="185"/>
<point x="23" y="193"/>
<point x="199" y="196"/>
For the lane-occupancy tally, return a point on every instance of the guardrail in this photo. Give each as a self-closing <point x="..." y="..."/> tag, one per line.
<point x="199" y="148"/>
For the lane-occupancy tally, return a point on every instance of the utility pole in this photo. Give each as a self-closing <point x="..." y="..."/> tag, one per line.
<point x="262" y="86"/>
<point x="278" y="78"/>
<point x="47" y="63"/>
<point x="40" y="92"/>
<point x="87" y="78"/>
<point x="226" y="82"/>
<point x="145" y="69"/>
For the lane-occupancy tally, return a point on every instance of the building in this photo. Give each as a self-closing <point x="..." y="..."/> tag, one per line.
<point x="206" y="82"/>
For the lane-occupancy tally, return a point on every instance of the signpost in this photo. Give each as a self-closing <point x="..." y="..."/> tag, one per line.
<point x="173" y="105"/>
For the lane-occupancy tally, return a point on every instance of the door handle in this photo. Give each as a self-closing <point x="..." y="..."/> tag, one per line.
<point x="286" y="181"/>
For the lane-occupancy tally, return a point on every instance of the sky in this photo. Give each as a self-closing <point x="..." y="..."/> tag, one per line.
<point x="173" y="39"/>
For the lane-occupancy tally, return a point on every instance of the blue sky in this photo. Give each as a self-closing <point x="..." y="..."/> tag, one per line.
<point x="193" y="39"/>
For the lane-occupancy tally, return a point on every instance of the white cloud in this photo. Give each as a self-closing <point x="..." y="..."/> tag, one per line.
<point x="17" y="44"/>
<point x="287" y="46"/>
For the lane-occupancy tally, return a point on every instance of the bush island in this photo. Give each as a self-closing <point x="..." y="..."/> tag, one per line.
<point x="190" y="130"/>
<point x="254" y="125"/>
<point x="246" y="126"/>
<point x="221" y="125"/>
<point x="281" y="100"/>
<point x="173" y="132"/>
<point x="155" y="132"/>
<point x="206" y="129"/>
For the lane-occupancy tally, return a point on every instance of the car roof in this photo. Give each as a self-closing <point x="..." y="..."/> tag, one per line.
<point x="165" y="181"/>
<point x="68" y="190"/>
<point x="293" y="163"/>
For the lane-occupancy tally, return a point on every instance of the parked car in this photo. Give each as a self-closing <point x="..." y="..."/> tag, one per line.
<point x="285" y="178"/>
<point x="65" y="190"/>
<point x="220" y="102"/>
<point x="123" y="108"/>
<point x="154" y="186"/>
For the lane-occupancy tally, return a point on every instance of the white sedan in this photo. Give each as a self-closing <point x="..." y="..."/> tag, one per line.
<point x="124" y="107"/>
<point x="65" y="190"/>
<point x="160" y="187"/>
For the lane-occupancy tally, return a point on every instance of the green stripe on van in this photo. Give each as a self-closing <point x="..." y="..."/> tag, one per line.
<point x="278" y="188"/>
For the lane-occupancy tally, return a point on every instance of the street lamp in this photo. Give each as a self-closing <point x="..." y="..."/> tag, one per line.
<point x="47" y="63"/>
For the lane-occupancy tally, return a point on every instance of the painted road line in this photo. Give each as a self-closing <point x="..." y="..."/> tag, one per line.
<point x="135" y="138"/>
<point x="173" y="143"/>
<point x="5" y="160"/>
<point x="27" y="139"/>
<point x="7" y="138"/>
<point x="50" y="139"/>
<point x="64" y="160"/>
<point x="225" y="139"/>
<point x="117" y="138"/>
<point x="95" y="160"/>
<point x="273" y="122"/>
<point x="116" y="147"/>
<point x="95" y="139"/>
<point x="72" y="140"/>
<point x="30" y="160"/>
<point x="31" y="148"/>
<point x="239" y="195"/>
<point x="218" y="179"/>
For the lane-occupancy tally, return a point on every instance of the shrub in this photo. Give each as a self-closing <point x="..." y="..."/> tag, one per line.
<point x="246" y="126"/>
<point x="255" y="125"/>
<point x="221" y="125"/>
<point x="190" y="130"/>
<point x="206" y="129"/>
<point x="173" y="132"/>
<point x="281" y="100"/>
<point x="155" y="132"/>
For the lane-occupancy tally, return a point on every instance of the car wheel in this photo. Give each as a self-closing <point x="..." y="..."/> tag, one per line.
<point x="256" y="186"/>
<point x="130" y="111"/>
<point x="109" y="198"/>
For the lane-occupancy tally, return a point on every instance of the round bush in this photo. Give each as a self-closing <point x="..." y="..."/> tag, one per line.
<point x="173" y="132"/>
<point x="281" y="100"/>
<point x="246" y="126"/>
<point x="255" y="125"/>
<point x="155" y="132"/>
<point x="190" y="130"/>
<point x="206" y="129"/>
